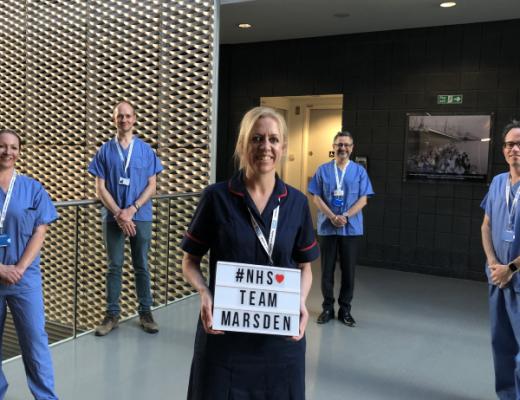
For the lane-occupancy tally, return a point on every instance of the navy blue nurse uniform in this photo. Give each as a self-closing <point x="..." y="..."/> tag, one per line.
<point x="248" y="366"/>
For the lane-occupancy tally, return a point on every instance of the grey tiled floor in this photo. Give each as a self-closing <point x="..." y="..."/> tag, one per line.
<point x="418" y="337"/>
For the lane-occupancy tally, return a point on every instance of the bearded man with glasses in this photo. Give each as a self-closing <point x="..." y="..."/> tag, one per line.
<point x="340" y="189"/>
<point x="501" y="242"/>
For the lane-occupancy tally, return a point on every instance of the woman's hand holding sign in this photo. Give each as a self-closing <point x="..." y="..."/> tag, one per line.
<point x="206" y="311"/>
<point x="305" y="287"/>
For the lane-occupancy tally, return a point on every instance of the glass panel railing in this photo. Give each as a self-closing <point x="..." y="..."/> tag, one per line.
<point x="73" y="263"/>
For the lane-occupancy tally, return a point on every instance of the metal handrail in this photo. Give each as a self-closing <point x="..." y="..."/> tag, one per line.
<point x="88" y="202"/>
<point x="77" y="204"/>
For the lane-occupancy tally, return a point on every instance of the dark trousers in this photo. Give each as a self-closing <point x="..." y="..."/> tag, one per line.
<point x="330" y="246"/>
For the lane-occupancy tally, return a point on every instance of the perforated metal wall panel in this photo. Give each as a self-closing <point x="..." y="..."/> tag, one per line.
<point x="64" y="64"/>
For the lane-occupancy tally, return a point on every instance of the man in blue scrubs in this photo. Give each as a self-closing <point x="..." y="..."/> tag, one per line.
<point x="340" y="189"/>
<point x="501" y="242"/>
<point x="126" y="170"/>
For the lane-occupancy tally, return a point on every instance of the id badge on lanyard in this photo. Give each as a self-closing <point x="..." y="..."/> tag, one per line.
<point x="124" y="180"/>
<point x="5" y="239"/>
<point x="508" y="235"/>
<point x="338" y="196"/>
<point x="268" y="246"/>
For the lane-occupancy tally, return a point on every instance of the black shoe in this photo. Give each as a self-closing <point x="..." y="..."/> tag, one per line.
<point x="325" y="316"/>
<point x="347" y="319"/>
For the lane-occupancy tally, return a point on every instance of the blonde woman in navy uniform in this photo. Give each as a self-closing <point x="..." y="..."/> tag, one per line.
<point x="230" y="365"/>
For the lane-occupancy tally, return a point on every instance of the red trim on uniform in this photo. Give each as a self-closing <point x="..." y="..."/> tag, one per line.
<point x="234" y="192"/>
<point x="309" y="247"/>
<point x="191" y="237"/>
<point x="284" y="194"/>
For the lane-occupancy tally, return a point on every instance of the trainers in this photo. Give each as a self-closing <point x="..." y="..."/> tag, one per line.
<point x="109" y="322"/>
<point x="147" y="323"/>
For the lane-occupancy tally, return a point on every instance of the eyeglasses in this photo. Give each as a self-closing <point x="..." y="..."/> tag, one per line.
<point x="510" y="145"/>
<point x="344" y="144"/>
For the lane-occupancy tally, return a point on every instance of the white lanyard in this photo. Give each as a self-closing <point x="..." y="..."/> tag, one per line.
<point x="120" y="151"/>
<point x="7" y="201"/>
<point x="338" y="180"/>
<point x="272" y="233"/>
<point x="511" y="213"/>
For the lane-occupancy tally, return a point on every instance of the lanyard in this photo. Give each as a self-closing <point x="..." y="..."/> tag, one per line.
<point x="272" y="233"/>
<point x="7" y="201"/>
<point x="511" y="213"/>
<point x="130" y="149"/>
<point x="339" y="180"/>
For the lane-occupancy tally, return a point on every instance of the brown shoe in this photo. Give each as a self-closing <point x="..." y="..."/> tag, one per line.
<point x="147" y="323"/>
<point x="109" y="323"/>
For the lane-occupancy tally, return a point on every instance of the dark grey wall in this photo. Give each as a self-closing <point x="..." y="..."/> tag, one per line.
<point x="424" y="227"/>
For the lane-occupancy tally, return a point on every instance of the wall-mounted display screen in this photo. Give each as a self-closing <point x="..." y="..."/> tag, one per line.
<point x="453" y="147"/>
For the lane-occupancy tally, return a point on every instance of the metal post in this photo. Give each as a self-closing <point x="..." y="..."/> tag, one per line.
<point x="76" y="261"/>
<point x="168" y="250"/>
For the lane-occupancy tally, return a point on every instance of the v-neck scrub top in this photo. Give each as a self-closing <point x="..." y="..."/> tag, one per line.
<point x="222" y="225"/>
<point x="355" y="184"/>
<point x="144" y="164"/>
<point x="495" y="207"/>
<point x="30" y="206"/>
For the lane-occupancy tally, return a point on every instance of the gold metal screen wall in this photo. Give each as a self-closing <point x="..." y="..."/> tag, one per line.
<point x="63" y="65"/>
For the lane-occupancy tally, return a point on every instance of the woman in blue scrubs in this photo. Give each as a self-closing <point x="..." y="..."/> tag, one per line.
<point x="26" y="210"/>
<point x="246" y="366"/>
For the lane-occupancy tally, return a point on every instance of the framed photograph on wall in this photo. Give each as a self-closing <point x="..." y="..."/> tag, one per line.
<point x="447" y="147"/>
<point x="362" y="160"/>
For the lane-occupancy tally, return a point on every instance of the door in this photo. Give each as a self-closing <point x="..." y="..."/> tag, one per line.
<point x="322" y="126"/>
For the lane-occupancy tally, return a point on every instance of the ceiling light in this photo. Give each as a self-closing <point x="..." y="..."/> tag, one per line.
<point x="245" y="26"/>
<point x="448" y="4"/>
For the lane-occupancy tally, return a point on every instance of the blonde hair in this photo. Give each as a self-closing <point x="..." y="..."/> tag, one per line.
<point x="246" y="128"/>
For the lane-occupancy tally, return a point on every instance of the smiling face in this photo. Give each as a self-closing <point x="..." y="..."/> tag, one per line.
<point x="343" y="146"/>
<point x="265" y="147"/>
<point x="124" y="118"/>
<point x="511" y="149"/>
<point x="9" y="150"/>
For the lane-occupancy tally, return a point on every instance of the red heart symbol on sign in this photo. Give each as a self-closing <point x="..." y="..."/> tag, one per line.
<point x="279" y="278"/>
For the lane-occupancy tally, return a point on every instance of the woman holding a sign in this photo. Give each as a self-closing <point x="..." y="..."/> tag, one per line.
<point x="26" y="210"/>
<point x="259" y="231"/>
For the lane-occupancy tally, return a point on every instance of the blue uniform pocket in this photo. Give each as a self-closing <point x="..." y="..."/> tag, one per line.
<point x="28" y="222"/>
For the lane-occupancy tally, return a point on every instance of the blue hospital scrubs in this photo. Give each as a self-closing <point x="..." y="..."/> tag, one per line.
<point x="30" y="206"/>
<point x="504" y="303"/>
<point x="144" y="164"/>
<point x="108" y="166"/>
<point x="343" y="240"/>
<point x="243" y="365"/>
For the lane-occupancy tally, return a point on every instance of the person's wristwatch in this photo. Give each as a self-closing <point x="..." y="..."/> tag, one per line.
<point x="512" y="267"/>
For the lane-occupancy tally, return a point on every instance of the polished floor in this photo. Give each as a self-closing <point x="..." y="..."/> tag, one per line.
<point x="418" y="338"/>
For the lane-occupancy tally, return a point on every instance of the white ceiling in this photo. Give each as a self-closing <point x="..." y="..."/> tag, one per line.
<point x="291" y="19"/>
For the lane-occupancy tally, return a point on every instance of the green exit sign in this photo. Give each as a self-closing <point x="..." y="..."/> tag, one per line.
<point x="449" y="99"/>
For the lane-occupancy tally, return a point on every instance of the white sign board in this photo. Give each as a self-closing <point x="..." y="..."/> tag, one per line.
<point x="257" y="299"/>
